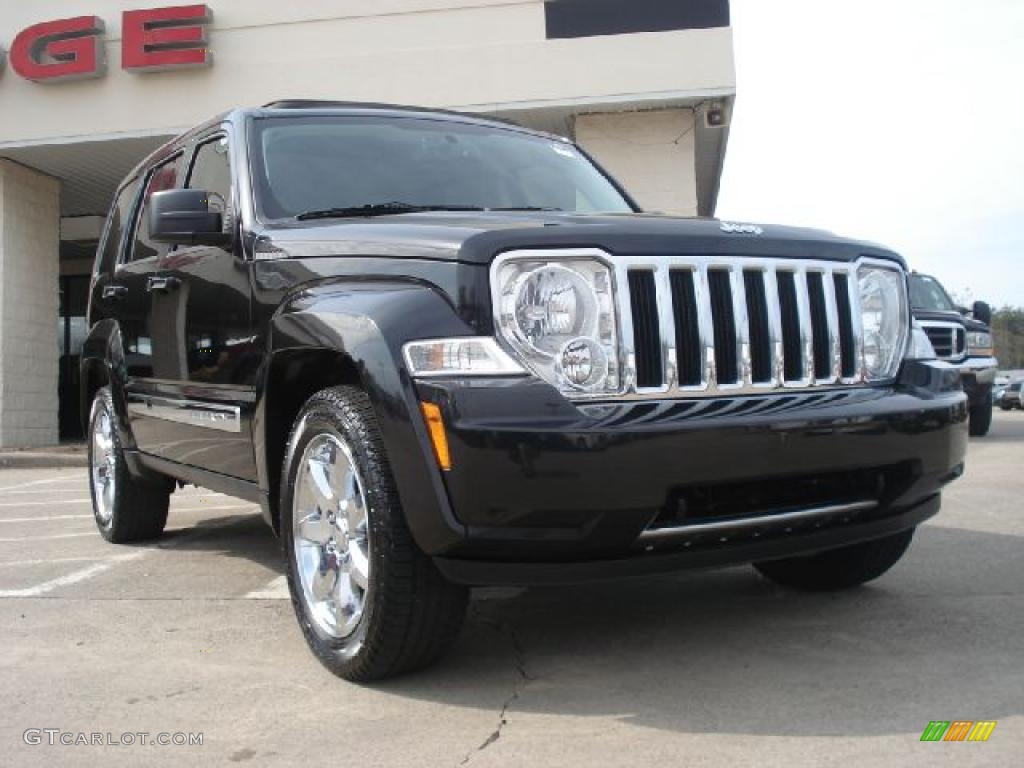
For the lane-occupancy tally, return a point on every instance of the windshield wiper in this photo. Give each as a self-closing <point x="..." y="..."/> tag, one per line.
<point x="526" y="208"/>
<point x="380" y="209"/>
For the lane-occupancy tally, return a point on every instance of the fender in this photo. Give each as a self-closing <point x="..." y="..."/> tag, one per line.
<point x="367" y="322"/>
<point x="103" y="361"/>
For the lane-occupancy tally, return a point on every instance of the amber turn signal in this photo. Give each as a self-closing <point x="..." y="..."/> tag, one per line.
<point x="438" y="437"/>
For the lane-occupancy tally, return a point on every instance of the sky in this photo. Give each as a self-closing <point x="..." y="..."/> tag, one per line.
<point x="900" y="122"/>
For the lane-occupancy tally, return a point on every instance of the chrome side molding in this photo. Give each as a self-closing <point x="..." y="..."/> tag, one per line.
<point x="224" y="418"/>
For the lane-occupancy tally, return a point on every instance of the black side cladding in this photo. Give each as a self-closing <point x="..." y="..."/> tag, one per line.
<point x="688" y="348"/>
<point x="646" y="330"/>
<point x="720" y="287"/>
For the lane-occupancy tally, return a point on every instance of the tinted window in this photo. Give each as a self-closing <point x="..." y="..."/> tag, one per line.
<point x="113" y="233"/>
<point x="211" y="171"/>
<point x="164" y="176"/>
<point x="316" y="163"/>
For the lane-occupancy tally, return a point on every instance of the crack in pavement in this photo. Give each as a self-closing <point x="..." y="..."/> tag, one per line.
<point x="522" y="678"/>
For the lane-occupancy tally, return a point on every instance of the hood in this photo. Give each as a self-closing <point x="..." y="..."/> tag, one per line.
<point x="477" y="237"/>
<point x="950" y="317"/>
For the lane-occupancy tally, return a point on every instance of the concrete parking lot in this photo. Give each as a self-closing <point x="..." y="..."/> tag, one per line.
<point x="195" y="634"/>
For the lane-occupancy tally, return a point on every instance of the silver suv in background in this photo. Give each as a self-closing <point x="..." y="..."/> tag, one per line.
<point x="1010" y="397"/>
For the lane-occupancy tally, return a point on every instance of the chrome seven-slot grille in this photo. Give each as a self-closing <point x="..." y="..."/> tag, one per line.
<point x="735" y="325"/>
<point x="948" y="339"/>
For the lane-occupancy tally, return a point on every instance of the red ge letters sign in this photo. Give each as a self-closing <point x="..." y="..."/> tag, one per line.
<point x="152" y="40"/>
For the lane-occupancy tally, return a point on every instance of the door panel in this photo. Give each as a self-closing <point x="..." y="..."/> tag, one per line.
<point x="134" y="310"/>
<point x="204" y="358"/>
<point x="197" y="405"/>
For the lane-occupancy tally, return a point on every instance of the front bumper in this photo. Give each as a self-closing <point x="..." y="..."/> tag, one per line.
<point x="548" y="491"/>
<point x="977" y="374"/>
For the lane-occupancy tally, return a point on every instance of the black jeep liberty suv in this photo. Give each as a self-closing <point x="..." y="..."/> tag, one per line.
<point x="442" y="351"/>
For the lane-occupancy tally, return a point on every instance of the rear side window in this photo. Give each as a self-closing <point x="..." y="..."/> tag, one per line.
<point x="109" y="251"/>
<point x="164" y="176"/>
<point x="211" y="171"/>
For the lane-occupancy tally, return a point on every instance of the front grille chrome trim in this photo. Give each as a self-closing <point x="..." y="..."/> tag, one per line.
<point x="951" y="328"/>
<point x="770" y="268"/>
<point x="757" y="521"/>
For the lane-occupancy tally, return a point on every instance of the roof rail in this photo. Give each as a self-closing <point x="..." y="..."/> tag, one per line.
<point x="328" y="104"/>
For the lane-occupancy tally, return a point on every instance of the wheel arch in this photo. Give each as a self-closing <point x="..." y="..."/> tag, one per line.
<point x="293" y="376"/>
<point x="352" y="333"/>
<point x="103" y="365"/>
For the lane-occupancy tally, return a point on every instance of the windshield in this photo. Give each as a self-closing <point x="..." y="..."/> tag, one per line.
<point x="316" y="164"/>
<point x="928" y="293"/>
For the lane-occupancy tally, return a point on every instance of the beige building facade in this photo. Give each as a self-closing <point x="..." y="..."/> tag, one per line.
<point x="89" y="87"/>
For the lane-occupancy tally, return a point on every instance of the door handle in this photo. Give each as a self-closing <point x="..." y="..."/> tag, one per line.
<point x="114" y="292"/>
<point x="162" y="284"/>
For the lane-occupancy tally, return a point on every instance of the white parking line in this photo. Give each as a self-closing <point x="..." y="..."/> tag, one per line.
<point x="48" y="538"/>
<point x="72" y="578"/>
<point x="180" y="493"/>
<point x="44" y="517"/>
<point x="40" y="482"/>
<point x="203" y="508"/>
<point x="44" y="503"/>
<point x="273" y="590"/>
<point x="47" y="491"/>
<point x="100" y="565"/>
<point x="26" y="563"/>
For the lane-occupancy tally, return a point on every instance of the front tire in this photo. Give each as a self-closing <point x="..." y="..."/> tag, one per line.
<point x="841" y="568"/>
<point x="370" y="603"/>
<point x="980" y="417"/>
<point x="126" y="508"/>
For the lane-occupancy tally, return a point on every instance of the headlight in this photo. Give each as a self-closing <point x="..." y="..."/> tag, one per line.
<point x="884" y="319"/>
<point x="558" y="315"/>
<point x="979" y="343"/>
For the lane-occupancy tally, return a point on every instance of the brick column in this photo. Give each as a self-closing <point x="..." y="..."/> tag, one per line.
<point x="29" y="256"/>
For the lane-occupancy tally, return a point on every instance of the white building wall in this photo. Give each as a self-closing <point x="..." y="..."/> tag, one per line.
<point x="478" y="55"/>
<point x="29" y="246"/>
<point x="650" y="153"/>
<point x="623" y="95"/>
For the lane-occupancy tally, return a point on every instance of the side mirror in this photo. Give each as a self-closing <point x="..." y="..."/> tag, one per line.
<point x="183" y="217"/>
<point x="982" y="312"/>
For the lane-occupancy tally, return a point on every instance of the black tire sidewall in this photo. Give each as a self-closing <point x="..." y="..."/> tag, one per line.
<point x="318" y="418"/>
<point x="980" y="418"/>
<point x="139" y="507"/>
<point x="103" y="403"/>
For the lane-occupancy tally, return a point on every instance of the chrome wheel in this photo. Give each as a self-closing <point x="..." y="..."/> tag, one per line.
<point x="331" y="536"/>
<point x="103" y="460"/>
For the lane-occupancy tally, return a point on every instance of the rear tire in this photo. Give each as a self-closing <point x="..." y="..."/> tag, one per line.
<point x="127" y="508"/>
<point x="370" y="603"/>
<point x="841" y="568"/>
<point x="981" y="417"/>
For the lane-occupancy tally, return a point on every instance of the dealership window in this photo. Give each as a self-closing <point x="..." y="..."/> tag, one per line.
<point x="71" y="333"/>
<point x="164" y="176"/>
